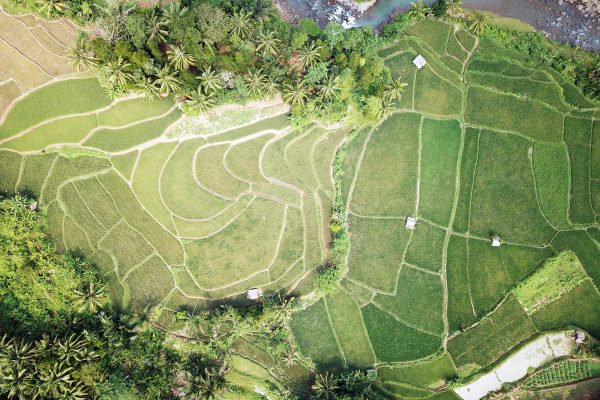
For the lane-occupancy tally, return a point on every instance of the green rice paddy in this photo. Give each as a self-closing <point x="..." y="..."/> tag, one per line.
<point x="482" y="144"/>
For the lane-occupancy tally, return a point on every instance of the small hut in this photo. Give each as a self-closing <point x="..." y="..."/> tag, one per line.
<point x="496" y="241"/>
<point x="372" y="374"/>
<point x="419" y="61"/>
<point x="410" y="223"/>
<point x="579" y="337"/>
<point x="253" y="294"/>
<point x="33" y="206"/>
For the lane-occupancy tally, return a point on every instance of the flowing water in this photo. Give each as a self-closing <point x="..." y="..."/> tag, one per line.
<point x="557" y="18"/>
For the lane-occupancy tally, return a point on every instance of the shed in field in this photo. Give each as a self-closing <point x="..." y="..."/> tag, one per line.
<point x="410" y="223"/>
<point x="496" y="241"/>
<point x="253" y="294"/>
<point x="419" y="61"/>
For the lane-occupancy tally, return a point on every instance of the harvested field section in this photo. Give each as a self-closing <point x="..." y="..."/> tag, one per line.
<point x="9" y="91"/>
<point x="584" y="247"/>
<point x="389" y="169"/>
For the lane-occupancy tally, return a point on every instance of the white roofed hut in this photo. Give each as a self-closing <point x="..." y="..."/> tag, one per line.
<point x="253" y="294"/>
<point x="496" y="241"/>
<point x="419" y="61"/>
<point x="410" y="223"/>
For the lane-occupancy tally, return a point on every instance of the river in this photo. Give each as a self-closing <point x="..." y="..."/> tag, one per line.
<point x="559" y="19"/>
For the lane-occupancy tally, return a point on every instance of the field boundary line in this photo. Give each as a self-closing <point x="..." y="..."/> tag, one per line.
<point x="421" y="269"/>
<point x="86" y="206"/>
<point x="136" y="266"/>
<point x="337" y="340"/>
<point x="359" y="163"/>
<point x="202" y="185"/>
<point x="362" y="321"/>
<point x="27" y="58"/>
<point x="20" y="175"/>
<point x="419" y="159"/>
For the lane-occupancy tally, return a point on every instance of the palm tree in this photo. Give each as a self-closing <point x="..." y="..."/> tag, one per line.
<point x="261" y="10"/>
<point x="296" y="93"/>
<point x="51" y="7"/>
<point x="71" y="349"/>
<point x="215" y="381"/>
<point x="309" y="55"/>
<point x="330" y="88"/>
<point x="199" y="102"/>
<point x="418" y="10"/>
<point x="267" y="43"/>
<point x="454" y="8"/>
<point x="90" y="297"/>
<point x="17" y="354"/>
<point x="167" y="81"/>
<point x="17" y="383"/>
<point x="325" y="386"/>
<point x="80" y="56"/>
<point x="393" y="91"/>
<point x="158" y="27"/>
<point x="55" y="380"/>
<point x="241" y="23"/>
<point x="179" y="58"/>
<point x="210" y="80"/>
<point x="173" y="13"/>
<point x="256" y="82"/>
<point x="271" y="88"/>
<point x="118" y="72"/>
<point x="147" y="86"/>
<point x="478" y="22"/>
<point x="290" y="357"/>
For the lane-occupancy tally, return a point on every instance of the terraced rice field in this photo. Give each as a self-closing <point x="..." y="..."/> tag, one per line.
<point x="32" y="53"/>
<point x="182" y="214"/>
<point x="481" y="144"/>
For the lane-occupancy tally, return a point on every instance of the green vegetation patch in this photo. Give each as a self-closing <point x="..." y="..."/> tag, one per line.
<point x="405" y="344"/>
<point x="551" y="173"/>
<point x="552" y="280"/>
<point x="579" y="307"/>
<point x="585" y="248"/>
<point x="504" y="201"/>
<point x="461" y="312"/>
<point x="563" y="372"/>
<point x="347" y="323"/>
<point x="493" y="337"/>
<point x="149" y="284"/>
<point x="426" y="246"/>
<point x="210" y="171"/>
<point x="431" y="373"/>
<point x="386" y="184"/>
<point x="468" y="163"/>
<point x="401" y="67"/>
<point x="419" y="300"/>
<point x="127" y="246"/>
<point x="578" y="133"/>
<point x="41" y="104"/>
<point x="315" y="336"/>
<point x="132" y="110"/>
<point x="375" y="263"/>
<point x="124" y="163"/>
<point x="436" y="95"/>
<point x="61" y="131"/>
<point x="503" y="111"/>
<point x="440" y="143"/>
<point x="434" y="33"/>
<point x="36" y="168"/>
<point x="494" y="271"/>
<point x="10" y="166"/>
<point x="120" y="139"/>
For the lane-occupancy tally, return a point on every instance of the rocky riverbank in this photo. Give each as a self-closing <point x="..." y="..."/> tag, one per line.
<point x="576" y="22"/>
